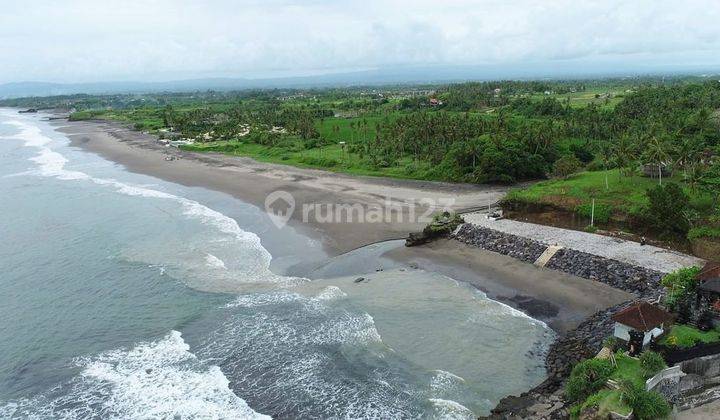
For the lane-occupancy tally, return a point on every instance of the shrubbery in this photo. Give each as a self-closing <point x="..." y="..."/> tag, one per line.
<point x="651" y="363"/>
<point x="646" y="405"/>
<point x="587" y="377"/>
<point x="566" y="166"/>
<point x="679" y="284"/>
<point x="667" y="209"/>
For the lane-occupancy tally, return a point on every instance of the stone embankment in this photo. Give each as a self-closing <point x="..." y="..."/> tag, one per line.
<point x="546" y="400"/>
<point x="624" y="276"/>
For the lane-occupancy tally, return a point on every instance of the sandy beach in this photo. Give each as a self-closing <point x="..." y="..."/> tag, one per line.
<point x="252" y="182"/>
<point x="561" y="300"/>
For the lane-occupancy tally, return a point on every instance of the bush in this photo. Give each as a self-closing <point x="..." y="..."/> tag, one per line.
<point x="611" y="343"/>
<point x="680" y="284"/>
<point x="666" y="212"/>
<point x="703" y="232"/>
<point x="651" y="363"/>
<point x="650" y="406"/>
<point x="587" y="377"/>
<point x="646" y="405"/>
<point x="566" y="166"/>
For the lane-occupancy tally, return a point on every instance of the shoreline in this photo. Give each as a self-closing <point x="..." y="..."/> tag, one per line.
<point x="252" y="181"/>
<point x="560" y="300"/>
<point x="565" y="302"/>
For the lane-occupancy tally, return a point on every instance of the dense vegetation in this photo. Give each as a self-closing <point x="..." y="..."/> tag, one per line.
<point x="592" y="137"/>
<point x="587" y="387"/>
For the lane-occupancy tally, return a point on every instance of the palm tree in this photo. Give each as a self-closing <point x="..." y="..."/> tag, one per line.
<point x="625" y="152"/>
<point x="694" y="176"/>
<point x="656" y="151"/>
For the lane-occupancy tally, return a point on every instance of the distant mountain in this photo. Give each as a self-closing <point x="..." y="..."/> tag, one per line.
<point x="384" y="76"/>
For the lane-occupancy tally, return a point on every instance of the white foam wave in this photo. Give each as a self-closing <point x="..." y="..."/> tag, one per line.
<point x="501" y="309"/>
<point x="215" y="262"/>
<point x="444" y="381"/>
<point x="52" y="164"/>
<point x="160" y="379"/>
<point x="263" y="299"/>
<point x="331" y="293"/>
<point x="448" y="409"/>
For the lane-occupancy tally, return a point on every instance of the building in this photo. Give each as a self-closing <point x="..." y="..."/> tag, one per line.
<point x="640" y="317"/>
<point x="708" y="293"/>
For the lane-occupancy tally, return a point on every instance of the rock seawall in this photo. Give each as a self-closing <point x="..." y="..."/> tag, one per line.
<point x="620" y="275"/>
<point x="546" y="400"/>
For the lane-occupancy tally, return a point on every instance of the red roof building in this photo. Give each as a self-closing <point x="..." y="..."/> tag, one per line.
<point x="643" y="317"/>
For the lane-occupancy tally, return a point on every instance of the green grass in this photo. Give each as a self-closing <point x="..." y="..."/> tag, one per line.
<point x="624" y="193"/>
<point x="330" y="157"/>
<point x="628" y="368"/>
<point x="704" y="232"/>
<point x="606" y="400"/>
<point x="686" y="336"/>
<point x="350" y="129"/>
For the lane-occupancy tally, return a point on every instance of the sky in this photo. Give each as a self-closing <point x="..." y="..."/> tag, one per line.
<point x="157" y="40"/>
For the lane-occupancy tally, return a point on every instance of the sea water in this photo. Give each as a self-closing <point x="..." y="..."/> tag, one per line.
<point x="124" y="296"/>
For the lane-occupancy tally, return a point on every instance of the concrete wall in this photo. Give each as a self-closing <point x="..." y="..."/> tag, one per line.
<point x="623" y="332"/>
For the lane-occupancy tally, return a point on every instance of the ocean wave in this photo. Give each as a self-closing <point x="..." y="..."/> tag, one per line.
<point x="444" y="381"/>
<point x="160" y="379"/>
<point x="448" y="409"/>
<point x="214" y="262"/>
<point x="295" y="360"/>
<point x="253" y="270"/>
<point x="331" y="293"/>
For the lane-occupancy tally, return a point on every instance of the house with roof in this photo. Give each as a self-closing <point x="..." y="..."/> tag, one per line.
<point x="640" y="319"/>
<point x="708" y="291"/>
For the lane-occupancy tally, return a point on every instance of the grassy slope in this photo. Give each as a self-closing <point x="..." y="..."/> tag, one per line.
<point x="628" y="368"/>
<point x="623" y="195"/>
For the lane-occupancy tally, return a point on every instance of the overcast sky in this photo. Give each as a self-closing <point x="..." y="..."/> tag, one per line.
<point x="91" y="40"/>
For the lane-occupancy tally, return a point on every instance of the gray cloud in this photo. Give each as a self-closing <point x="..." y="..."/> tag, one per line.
<point x="84" y="40"/>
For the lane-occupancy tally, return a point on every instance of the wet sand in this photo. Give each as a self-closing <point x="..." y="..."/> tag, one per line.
<point x="560" y="300"/>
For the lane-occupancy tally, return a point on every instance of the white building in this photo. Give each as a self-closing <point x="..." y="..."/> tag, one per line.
<point x="642" y="317"/>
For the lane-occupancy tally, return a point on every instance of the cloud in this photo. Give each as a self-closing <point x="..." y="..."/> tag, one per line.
<point x="82" y="40"/>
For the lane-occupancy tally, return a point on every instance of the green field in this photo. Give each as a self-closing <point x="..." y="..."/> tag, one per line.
<point x="331" y="158"/>
<point x="621" y="194"/>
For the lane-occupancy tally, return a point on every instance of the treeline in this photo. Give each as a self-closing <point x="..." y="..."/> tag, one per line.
<point x="676" y="126"/>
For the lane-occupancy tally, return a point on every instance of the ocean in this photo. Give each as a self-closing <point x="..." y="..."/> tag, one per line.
<point x="124" y="296"/>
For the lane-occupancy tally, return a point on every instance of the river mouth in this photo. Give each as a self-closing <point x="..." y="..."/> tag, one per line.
<point x="129" y="287"/>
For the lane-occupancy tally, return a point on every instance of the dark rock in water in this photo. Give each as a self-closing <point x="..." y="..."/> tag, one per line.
<point x="442" y="225"/>
<point x="413" y="265"/>
<point x="536" y="308"/>
<point x="359" y="279"/>
<point x="148" y="371"/>
<point x="417" y="238"/>
<point x="28" y="111"/>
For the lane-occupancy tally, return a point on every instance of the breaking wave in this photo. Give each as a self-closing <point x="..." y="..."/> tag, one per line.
<point x="256" y="262"/>
<point x="159" y="379"/>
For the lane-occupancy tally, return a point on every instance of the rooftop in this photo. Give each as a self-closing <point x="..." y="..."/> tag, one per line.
<point x="712" y="285"/>
<point x="642" y="316"/>
<point x="711" y="270"/>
